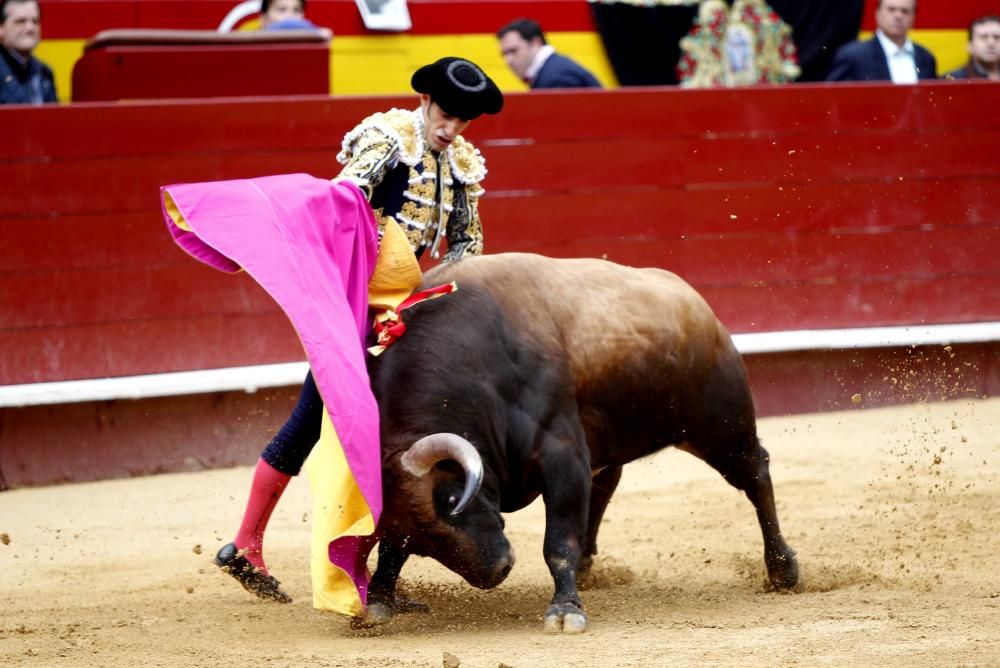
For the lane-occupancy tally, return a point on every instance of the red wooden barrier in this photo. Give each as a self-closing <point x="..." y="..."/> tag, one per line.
<point x="792" y="207"/>
<point x="158" y="64"/>
<point x="83" y="18"/>
<point x="788" y="208"/>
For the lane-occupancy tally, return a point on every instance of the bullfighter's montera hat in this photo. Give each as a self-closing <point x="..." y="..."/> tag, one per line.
<point x="459" y="87"/>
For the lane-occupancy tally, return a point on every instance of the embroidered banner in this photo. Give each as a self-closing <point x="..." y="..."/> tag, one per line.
<point x="739" y="46"/>
<point x="642" y="39"/>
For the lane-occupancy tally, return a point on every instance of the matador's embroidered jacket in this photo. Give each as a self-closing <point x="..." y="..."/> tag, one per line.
<point x="430" y="195"/>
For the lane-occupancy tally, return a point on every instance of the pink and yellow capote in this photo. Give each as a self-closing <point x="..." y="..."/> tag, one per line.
<point x="313" y="245"/>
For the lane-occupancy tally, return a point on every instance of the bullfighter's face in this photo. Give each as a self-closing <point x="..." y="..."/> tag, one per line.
<point x="440" y="127"/>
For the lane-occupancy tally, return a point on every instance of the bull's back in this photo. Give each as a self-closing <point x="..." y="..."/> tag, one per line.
<point x="594" y="311"/>
<point x="639" y="343"/>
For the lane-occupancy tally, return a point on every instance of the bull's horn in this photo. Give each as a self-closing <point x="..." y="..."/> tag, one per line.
<point x="434" y="448"/>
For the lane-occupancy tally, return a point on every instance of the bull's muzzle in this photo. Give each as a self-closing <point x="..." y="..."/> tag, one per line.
<point x="499" y="572"/>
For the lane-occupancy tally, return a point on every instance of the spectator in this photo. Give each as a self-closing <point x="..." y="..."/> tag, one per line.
<point x="890" y="55"/>
<point x="530" y="57"/>
<point x="279" y="14"/>
<point x="417" y="172"/>
<point x="23" y="78"/>
<point x="288" y="15"/>
<point x="984" y="51"/>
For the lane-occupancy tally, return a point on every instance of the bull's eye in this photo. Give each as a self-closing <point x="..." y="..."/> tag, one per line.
<point x="446" y="499"/>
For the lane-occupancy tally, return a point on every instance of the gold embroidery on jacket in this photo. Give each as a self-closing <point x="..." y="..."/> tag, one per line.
<point x="382" y="141"/>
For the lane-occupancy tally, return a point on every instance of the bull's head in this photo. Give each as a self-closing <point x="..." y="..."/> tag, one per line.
<point x="433" y="507"/>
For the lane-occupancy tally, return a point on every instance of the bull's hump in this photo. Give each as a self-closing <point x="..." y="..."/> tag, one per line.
<point x="577" y="284"/>
<point x="587" y="304"/>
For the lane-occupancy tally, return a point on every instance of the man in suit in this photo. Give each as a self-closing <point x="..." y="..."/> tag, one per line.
<point x="984" y="51"/>
<point x="535" y="62"/>
<point x="23" y="78"/>
<point x="890" y="55"/>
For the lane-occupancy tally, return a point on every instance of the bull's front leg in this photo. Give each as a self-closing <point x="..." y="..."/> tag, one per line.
<point x="566" y="472"/>
<point x="383" y="601"/>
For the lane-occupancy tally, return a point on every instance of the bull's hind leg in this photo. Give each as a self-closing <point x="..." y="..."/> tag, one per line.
<point x="782" y="567"/>
<point x="602" y="487"/>
<point x="747" y="469"/>
<point x="566" y="489"/>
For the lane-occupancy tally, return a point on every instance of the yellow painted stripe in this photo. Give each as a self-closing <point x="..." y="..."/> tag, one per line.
<point x="61" y="55"/>
<point x="382" y="64"/>
<point x="948" y="46"/>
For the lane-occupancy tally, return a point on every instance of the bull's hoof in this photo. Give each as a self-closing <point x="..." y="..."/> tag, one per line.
<point x="376" y="614"/>
<point x="565" y="618"/>
<point x="380" y="613"/>
<point x="782" y="569"/>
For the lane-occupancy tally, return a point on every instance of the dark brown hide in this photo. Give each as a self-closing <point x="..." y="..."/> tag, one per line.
<point x="556" y="371"/>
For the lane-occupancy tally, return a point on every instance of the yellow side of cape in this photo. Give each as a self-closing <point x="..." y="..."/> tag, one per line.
<point x="339" y="508"/>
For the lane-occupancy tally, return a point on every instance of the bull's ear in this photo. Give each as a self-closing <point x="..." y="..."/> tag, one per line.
<point x="448" y="466"/>
<point x="429" y="450"/>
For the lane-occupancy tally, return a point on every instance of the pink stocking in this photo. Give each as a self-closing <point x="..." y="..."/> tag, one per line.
<point x="268" y="485"/>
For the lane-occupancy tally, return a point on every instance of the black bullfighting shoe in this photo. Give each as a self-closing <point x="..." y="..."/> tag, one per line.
<point x="266" y="587"/>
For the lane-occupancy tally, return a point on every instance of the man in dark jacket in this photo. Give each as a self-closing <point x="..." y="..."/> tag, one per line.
<point x="23" y="78"/>
<point x="535" y="62"/>
<point x="890" y="55"/>
<point x="984" y="51"/>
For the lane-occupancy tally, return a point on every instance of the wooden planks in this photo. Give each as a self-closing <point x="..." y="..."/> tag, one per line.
<point x="788" y="207"/>
<point x="136" y="346"/>
<point x="740" y="210"/>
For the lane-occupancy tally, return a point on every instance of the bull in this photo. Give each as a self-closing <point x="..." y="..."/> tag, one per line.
<point x="545" y="377"/>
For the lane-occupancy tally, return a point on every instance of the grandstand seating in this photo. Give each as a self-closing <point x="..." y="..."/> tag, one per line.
<point x="127" y="64"/>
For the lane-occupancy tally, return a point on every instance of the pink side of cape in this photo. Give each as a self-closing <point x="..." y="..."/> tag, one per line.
<point x="311" y="244"/>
